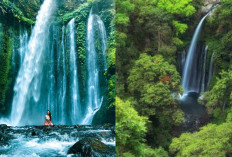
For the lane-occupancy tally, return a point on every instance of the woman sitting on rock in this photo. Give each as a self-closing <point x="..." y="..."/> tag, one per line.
<point x="48" y="119"/>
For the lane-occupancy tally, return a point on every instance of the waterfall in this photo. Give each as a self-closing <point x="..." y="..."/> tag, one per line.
<point x="23" y="44"/>
<point x="94" y="98"/>
<point x="103" y="39"/>
<point x="13" y="58"/>
<point x="75" y="95"/>
<point x="29" y="78"/>
<point x="49" y="62"/>
<point x="210" y="69"/>
<point x="189" y="80"/>
<point x="62" y="80"/>
<point x="203" y="73"/>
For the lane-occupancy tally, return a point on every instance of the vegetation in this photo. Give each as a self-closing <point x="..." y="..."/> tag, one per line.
<point x="150" y="35"/>
<point x="130" y="123"/>
<point x="7" y="6"/>
<point x="211" y="140"/>
<point x="5" y="56"/>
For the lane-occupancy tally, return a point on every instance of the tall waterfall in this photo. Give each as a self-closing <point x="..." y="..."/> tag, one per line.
<point x="75" y="94"/>
<point x="190" y="80"/>
<point x="94" y="96"/>
<point x="29" y="78"/>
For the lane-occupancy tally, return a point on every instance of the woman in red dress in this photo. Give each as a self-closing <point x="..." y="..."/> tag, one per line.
<point x="48" y="119"/>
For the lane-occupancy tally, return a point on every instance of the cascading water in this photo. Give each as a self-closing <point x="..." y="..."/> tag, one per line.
<point x="62" y="80"/>
<point x="23" y="44"/>
<point x="190" y="80"/>
<point x="210" y="69"/>
<point x="29" y="77"/>
<point x="75" y="94"/>
<point x="94" y="98"/>
<point x="103" y="38"/>
<point x="204" y="68"/>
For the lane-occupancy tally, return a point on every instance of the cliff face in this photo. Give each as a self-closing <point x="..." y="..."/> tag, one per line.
<point x="208" y="4"/>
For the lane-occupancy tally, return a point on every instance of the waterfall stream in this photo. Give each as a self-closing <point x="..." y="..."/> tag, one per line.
<point x="29" y="77"/>
<point x="204" y="70"/>
<point x="210" y="69"/>
<point x="75" y="94"/>
<point x="62" y="81"/>
<point x="94" y="96"/>
<point x="191" y="76"/>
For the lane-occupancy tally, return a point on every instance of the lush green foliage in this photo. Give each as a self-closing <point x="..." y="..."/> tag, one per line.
<point x="150" y="80"/>
<point x="149" y="34"/>
<point x="130" y="132"/>
<point x="211" y="140"/>
<point x="5" y="56"/>
<point x="151" y="27"/>
<point x="6" y="6"/>
<point x="218" y="99"/>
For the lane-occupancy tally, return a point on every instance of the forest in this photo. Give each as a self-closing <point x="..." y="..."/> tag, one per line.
<point x="152" y="117"/>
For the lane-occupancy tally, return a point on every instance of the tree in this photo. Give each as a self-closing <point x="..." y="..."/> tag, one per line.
<point x="130" y="133"/>
<point x="218" y="99"/>
<point x="152" y="84"/>
<point x="211" y="140"/>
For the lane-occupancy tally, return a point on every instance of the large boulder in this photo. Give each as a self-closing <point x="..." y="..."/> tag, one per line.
<point x="91" y="147"/>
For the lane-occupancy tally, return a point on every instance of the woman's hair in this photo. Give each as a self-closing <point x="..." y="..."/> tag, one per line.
<point x="50" y="116"/>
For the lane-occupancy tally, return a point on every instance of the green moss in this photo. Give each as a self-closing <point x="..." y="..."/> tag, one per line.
<point x="5" y="57"/>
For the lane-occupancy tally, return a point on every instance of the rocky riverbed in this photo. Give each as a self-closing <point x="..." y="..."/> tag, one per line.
<point x="57" y="140"/>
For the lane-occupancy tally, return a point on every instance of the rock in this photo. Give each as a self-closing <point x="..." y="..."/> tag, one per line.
<point x="5" y="137"/>
<point x="208" y="4"/>
<point x="33" y="133"/>
<point x="3" y="127"/>
<point x="91" y="147"/>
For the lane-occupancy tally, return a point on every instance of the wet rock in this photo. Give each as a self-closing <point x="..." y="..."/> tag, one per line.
<point x="5" y="137"/>
<point x="3" y="126"/>
<point x="33" y="133"/>
<point x="91" y="147"/>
